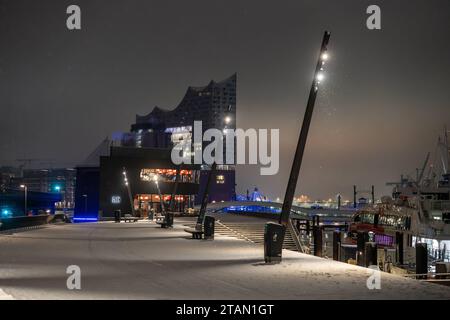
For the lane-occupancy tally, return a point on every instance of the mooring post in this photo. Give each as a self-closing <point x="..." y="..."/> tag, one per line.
<point x="336" y="244"/>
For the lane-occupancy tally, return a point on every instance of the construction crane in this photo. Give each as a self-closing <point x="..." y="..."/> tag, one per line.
<point x="25" y="162"/>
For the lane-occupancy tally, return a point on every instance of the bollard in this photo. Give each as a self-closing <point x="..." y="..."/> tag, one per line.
<point x="361" y="239"/>
<point x="399" y="246"/>
<point x="370" y="254"/>
<point x="317" y="235"/>
<point x="421" y="260"/>
<point x="336" y="245"/>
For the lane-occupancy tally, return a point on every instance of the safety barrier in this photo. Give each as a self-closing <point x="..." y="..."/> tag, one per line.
<point x="23" y="222"/>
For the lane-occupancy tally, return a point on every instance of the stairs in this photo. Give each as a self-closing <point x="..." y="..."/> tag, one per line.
<point x="249" y="231"/>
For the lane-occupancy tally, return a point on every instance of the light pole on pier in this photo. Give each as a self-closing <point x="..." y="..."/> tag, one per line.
<point x="25" y="188"/>
<point x="85" y="196"/>
<point x="127" y="185"/>
<point x="274" y="233"/>
<point x="298" y="157"/>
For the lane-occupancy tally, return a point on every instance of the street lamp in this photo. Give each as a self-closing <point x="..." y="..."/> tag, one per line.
<point x="85" y="203"/>
<point x="25" y="188"/>
<point x="127" y="184"/>
<point x="161" y="201"/>
<point x="298" y="157"/>
<point x="272" y="249"/>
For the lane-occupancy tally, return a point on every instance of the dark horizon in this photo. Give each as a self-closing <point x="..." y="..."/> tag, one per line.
<point x="381" y="108"/>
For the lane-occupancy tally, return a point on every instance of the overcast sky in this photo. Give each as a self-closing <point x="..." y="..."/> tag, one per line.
<point x="382" y="105"/>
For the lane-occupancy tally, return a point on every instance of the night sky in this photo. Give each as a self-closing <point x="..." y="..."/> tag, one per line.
<point x="385" y="99"/>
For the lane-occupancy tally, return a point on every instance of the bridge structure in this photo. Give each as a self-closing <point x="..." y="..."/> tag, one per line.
<point x="272" y="210"/>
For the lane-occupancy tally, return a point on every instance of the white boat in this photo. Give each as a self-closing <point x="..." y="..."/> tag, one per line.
<point x="417" y="212"/>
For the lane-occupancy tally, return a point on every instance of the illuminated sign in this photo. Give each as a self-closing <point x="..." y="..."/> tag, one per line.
<point x="220" y="179"/>
<point x="116" y="199"/>
<point x="384" y="240"/>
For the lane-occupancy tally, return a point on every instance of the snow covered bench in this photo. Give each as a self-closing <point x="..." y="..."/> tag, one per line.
<point x="130" y="218"/>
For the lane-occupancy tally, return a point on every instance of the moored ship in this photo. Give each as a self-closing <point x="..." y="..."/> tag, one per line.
<point x="417" y="212"/>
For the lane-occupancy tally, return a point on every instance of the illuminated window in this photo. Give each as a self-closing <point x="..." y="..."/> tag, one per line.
<point x="220" y="179"/>
<point x="166" y="175"/>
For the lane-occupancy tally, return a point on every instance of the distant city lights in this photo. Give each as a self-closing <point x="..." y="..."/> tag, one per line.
<point x="6" y="213"/>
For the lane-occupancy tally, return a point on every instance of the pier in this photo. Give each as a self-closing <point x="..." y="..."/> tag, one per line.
<point x="132" y="260"/>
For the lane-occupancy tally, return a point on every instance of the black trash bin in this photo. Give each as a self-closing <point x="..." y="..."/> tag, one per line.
<point x="421" y="260"/>
<point x="168" y="220"/>
<point x="208" y="227"/>
<point x="273" y="241"/>
<point x="117" y="216"/>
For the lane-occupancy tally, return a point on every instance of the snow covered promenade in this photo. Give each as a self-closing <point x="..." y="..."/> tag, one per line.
<point x="142" y="261"/>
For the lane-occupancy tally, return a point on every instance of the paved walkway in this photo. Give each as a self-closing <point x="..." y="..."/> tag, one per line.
<point x="143" y="261"/>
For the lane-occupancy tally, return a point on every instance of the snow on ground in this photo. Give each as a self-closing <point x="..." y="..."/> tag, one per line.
<point x="143" y="261"/>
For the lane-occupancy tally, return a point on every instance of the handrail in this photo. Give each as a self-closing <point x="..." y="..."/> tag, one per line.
<point x="296" y="237"/>
<point x="426" y="274"/>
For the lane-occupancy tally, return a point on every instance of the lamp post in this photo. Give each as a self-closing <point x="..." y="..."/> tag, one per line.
<point x="161" y="201"/>
<point x="274" y="233"/>
<point x="201" y="214"/>
<point x="59" y="190"/>
<point x="85" y="203"/>
<point x="127" y="184"/>
<point x="298" y="157"/>
<point x="228" y="124"/>
<point x="25" y="188"/>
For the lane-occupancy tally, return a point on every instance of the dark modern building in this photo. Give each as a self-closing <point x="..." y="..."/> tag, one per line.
<point x="87" y="192"/>
<point x="214" y="105"/>
<point x="127" y="181"/>
<point x="145" y="152"/>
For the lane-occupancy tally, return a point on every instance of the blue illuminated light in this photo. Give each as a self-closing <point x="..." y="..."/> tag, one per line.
<point x="252" y="208"/>
<point x="85" y="219"/>
<point x="6" y="213"/>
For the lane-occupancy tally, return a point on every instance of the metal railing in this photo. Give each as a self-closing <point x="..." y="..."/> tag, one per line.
<point x="440" y="205"/>
<point x="429" y="277"/>
<point x="297" y="240"/>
